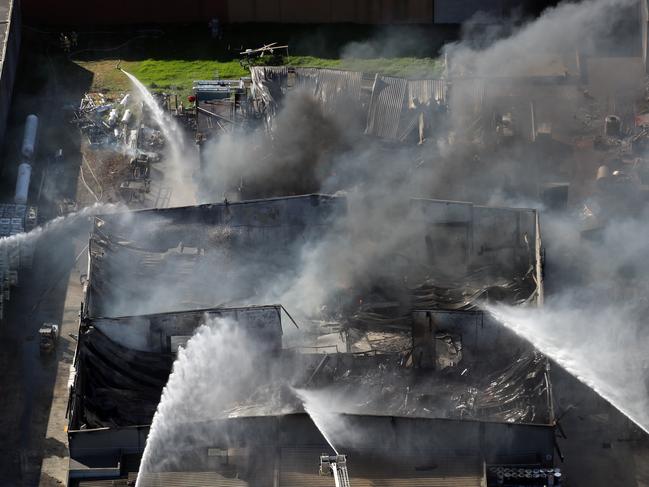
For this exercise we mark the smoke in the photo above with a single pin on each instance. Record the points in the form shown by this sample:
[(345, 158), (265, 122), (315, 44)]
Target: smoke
[(372, 252), (293, 160), (394, 41), (312, 149), (561, 30)]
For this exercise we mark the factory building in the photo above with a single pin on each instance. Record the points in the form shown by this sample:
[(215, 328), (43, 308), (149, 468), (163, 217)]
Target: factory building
[(435, 367)]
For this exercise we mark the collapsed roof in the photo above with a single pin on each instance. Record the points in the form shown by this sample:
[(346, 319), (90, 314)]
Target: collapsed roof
[(229, 254), (477, 370), (417, 349)]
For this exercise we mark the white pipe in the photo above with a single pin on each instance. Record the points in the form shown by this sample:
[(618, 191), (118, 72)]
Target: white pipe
[(29, 138), (22, 183)]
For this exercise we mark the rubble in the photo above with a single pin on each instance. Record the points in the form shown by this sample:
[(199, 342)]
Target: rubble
[(121, 145)]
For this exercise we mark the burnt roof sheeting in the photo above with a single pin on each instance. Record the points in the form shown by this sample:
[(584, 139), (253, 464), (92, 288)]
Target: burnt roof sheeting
[(499, 259), (332, 88), (386, 106), (496, 377), (478, 388), (120, 386), (124, 363)]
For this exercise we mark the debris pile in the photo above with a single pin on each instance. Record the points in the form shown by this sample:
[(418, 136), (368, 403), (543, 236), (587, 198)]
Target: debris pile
[(122, 141)]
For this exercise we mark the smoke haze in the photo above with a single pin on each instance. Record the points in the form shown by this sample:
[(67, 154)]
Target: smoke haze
[(594, 323)]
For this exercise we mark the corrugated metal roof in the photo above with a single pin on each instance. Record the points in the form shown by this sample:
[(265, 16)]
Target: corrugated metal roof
[(425, 92), (330, 86), (422, 96), (386, 105)]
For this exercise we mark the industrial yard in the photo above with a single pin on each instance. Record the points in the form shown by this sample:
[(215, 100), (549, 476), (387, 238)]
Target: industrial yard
[(242, 246)]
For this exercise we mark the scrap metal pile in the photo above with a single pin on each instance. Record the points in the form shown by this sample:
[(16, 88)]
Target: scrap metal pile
[(121, 135), (510, 389), (622, 178)]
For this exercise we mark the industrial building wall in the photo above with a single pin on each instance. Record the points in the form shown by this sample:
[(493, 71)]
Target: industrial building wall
[(236, 11), (84, 12), (10, 53), (332, 11)]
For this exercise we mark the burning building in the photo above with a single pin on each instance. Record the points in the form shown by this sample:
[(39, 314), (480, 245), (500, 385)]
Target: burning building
[(412, 381)]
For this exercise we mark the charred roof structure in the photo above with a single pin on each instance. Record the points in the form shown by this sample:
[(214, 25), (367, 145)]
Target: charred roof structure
[(131, 252), (445, 387)]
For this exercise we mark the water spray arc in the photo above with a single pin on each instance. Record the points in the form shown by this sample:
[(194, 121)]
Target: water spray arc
[(59, 223), (316, 414), (180, 157), (620, 386)]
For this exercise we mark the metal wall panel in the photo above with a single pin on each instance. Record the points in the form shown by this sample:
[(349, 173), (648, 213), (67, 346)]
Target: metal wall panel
[(342, 11), (83, 12), (301, 12), (298, 468), (268, 10), (386, 106), (459, 11), (332, 11), (426, 91), (285, 11), (331, 87), (242, 11)]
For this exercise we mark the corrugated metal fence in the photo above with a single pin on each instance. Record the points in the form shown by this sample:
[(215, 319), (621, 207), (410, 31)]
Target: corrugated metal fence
[(396, 105), (329, 86)]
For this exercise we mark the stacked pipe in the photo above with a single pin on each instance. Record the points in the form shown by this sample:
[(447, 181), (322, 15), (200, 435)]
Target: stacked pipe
[(27, 152)]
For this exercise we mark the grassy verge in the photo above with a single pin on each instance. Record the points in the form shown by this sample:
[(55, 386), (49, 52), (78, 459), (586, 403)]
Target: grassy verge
[(178, 75)]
